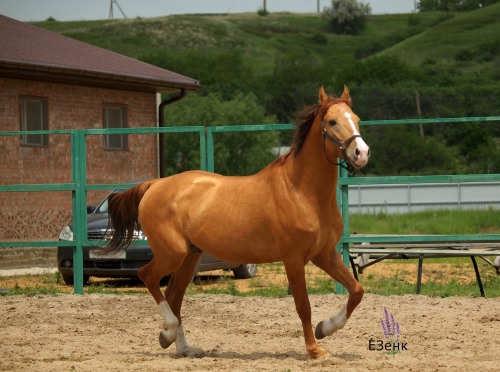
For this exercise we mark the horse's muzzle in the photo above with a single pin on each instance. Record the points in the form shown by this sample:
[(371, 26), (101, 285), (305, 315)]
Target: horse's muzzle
[(360, 153)]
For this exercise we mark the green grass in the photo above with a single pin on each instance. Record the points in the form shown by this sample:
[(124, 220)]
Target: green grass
[(442, 42), (427, 222), (394, 283), (439, 286)]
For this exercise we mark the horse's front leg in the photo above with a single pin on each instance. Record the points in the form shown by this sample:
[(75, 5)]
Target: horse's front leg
[(331, 262), (296, 278)]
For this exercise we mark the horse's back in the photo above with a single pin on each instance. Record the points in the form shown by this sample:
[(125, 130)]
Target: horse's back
[(225, 216)]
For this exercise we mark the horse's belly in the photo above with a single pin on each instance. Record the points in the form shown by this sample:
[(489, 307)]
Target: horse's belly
[(238, 247)]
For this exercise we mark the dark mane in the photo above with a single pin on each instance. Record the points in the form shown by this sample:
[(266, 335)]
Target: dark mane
[(303, 122)]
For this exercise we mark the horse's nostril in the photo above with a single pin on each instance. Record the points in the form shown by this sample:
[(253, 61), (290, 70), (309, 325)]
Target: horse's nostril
[(357, 152)]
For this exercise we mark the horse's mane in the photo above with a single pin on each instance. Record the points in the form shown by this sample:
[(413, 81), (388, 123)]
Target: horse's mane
[(303, 123)]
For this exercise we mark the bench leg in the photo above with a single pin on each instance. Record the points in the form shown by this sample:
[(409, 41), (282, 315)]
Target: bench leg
[(353, 268), (478, 276), (419, 275)]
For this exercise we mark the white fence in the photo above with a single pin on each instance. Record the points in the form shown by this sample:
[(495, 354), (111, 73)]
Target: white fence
[(403, 198)]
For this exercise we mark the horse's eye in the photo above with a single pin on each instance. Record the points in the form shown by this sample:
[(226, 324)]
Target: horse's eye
[(332, 122)]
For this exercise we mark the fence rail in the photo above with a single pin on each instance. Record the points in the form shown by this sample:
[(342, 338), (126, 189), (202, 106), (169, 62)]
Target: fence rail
[(79, 186)]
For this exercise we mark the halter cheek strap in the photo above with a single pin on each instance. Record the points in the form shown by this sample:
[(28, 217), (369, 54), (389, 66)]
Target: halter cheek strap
[(341, 145)]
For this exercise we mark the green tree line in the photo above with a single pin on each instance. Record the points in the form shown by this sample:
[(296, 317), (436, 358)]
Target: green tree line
[(383, 86)]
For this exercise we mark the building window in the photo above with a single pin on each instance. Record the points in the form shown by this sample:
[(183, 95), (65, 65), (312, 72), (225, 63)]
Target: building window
[(115, 116), (33, 113)]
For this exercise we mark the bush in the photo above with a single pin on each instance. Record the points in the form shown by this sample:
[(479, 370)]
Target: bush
[(347, 16)]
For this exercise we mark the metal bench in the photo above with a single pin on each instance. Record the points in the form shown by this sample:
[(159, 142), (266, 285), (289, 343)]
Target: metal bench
[(365, 254)]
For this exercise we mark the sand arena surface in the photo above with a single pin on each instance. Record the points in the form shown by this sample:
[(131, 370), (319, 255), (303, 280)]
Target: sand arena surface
[(120, 333)]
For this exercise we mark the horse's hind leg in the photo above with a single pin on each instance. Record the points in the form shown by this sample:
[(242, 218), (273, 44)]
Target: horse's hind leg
[(160, 266), (331, 262), (174, 294)]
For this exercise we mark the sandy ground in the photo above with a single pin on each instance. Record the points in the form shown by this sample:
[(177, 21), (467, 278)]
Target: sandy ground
[(120, 333)]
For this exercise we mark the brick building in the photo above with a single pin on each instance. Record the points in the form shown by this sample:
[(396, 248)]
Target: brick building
[(48, 82)]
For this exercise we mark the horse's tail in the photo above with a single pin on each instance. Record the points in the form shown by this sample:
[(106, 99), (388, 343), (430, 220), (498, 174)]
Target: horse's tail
[(123, 216)]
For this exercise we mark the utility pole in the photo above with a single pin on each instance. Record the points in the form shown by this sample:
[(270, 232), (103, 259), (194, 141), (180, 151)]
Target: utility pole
[(419, 113), (111, 2)]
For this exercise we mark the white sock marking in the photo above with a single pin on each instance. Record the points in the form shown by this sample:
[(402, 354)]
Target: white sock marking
[(181, 344), (336, 322), (170, 321)]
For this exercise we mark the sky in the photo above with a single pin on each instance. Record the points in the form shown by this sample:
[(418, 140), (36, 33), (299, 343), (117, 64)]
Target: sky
[(69, 10)]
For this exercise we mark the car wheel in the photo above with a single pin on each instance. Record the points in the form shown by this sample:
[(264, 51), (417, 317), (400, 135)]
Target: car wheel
[(68, 279), (245, 271)]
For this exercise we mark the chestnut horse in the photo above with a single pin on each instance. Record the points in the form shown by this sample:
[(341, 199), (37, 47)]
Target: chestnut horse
[(287, 212)]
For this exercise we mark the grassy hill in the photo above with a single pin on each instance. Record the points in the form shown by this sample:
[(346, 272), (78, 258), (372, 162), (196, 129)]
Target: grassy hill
[(466, 32), (468, 43), (415, 38)]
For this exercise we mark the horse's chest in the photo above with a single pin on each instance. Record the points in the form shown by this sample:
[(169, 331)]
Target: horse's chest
[(315, 230)]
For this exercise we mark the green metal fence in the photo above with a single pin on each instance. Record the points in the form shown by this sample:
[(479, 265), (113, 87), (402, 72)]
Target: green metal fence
[(79, 187), (345, 181)]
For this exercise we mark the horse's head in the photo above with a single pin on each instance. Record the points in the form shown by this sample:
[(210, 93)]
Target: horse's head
[(340, 126)]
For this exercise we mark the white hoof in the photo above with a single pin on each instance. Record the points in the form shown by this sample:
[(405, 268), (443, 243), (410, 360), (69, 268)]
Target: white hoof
[(191, 352)]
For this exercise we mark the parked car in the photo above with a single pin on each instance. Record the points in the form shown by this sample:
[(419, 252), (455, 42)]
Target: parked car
[(126, 263)]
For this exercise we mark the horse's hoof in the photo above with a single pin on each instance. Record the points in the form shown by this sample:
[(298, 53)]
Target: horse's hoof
[(164, 343), (323, 354), (319, 331), (318, 352), (191, 352)]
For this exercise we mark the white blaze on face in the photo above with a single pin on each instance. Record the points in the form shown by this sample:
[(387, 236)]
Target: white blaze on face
[(362, 147), (348, 116)]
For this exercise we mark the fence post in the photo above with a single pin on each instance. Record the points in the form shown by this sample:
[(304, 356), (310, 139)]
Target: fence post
[(210, 149), (203, 149), (343, 201), (79, 200)]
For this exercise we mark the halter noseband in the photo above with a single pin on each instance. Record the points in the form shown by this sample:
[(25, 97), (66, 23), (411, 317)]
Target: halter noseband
[(341, 145)]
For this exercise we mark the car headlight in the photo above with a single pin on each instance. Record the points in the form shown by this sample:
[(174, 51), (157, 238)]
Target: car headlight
[(66, 234), (140, 235)]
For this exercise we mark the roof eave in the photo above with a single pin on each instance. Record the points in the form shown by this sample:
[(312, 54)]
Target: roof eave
[(34, 71)]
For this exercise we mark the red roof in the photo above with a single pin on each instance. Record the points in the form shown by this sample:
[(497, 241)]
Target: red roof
[(33, 52)]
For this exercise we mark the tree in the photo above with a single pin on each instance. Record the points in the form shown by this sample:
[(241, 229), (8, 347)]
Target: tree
[(347, 16), (236, 153), (293, 84)]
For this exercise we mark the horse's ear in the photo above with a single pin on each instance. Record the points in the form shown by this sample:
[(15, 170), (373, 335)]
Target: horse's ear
[(346, 97), (323, 97)]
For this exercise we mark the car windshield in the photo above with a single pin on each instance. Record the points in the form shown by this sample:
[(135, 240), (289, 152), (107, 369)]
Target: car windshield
[(103, 206)]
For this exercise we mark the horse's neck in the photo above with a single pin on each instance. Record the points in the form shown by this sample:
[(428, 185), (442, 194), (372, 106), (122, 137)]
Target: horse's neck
[(311, 172)]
